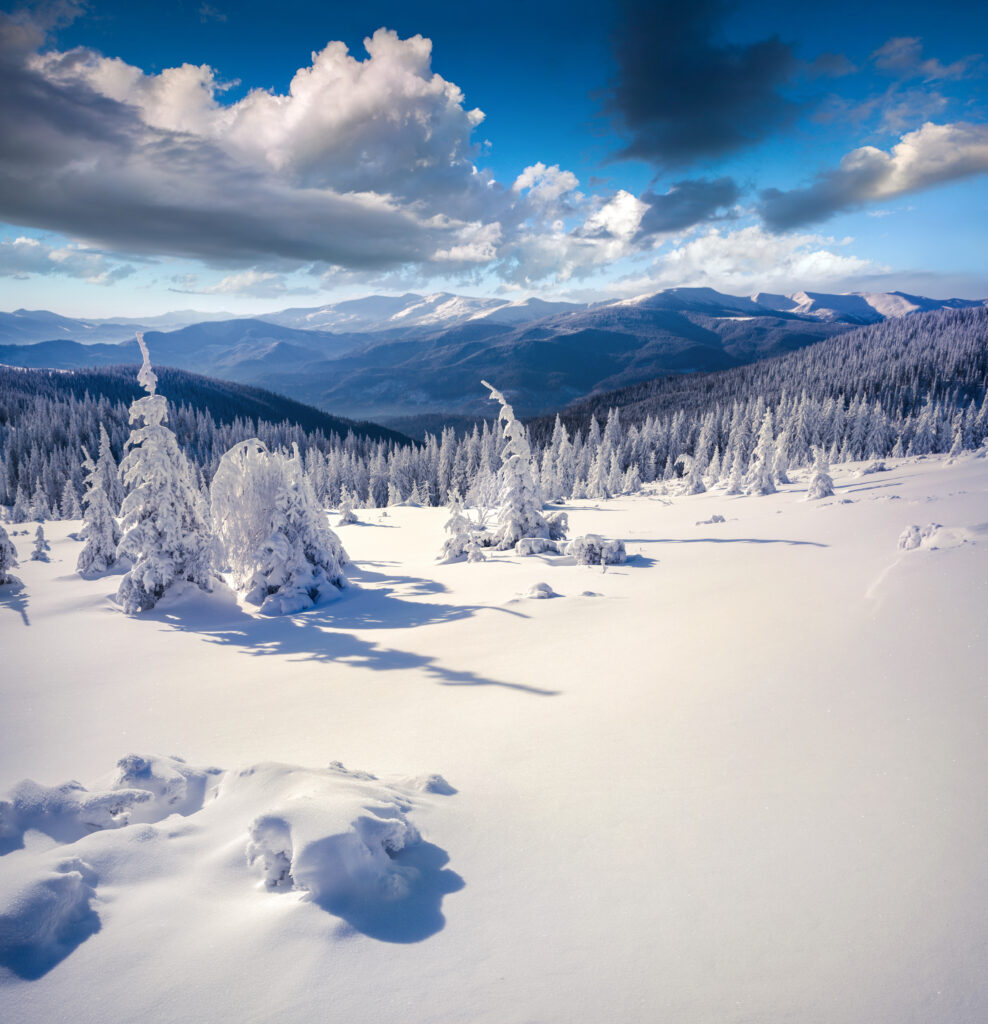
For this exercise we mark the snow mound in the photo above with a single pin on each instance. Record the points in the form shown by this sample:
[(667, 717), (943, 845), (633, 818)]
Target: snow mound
[(540, 591), (711, 521), (934, 537), (331, 834), (878, 466), (142, 790), (44, 919), (336, 837)]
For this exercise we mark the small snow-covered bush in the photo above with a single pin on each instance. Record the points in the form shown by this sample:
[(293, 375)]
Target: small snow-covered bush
[(540, 591), (873, 467), (536, 546), (347, 515), (592, 549), (821, 483)]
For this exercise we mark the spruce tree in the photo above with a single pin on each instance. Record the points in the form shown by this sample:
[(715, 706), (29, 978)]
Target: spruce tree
[(100, 530), (166, 533), (520, 513)]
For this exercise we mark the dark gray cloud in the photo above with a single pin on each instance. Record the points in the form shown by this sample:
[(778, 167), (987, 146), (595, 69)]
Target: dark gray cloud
[(684, 97), (929, 156), (687, 203)]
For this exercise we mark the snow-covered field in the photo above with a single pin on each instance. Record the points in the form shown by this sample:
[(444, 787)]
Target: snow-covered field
[(743, 778)]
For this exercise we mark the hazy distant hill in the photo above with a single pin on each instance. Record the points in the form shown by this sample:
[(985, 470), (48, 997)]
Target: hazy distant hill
[(417, 361), (937, 356)]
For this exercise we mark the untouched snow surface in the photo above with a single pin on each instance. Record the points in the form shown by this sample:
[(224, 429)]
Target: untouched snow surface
[(742, 777)]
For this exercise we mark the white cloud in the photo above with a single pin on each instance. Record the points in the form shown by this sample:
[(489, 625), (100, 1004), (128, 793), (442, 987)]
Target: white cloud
[(931, 155), (23, 257), (750, 259)]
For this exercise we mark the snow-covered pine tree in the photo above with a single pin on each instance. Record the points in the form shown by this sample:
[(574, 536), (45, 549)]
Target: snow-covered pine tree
[(462, 534), (276, 542), (71, 509), (39, 510), (8, 557), (759, 479), (347, 515), (108, 471), (821, 483), (520, 513), (692, 474), (166, 532), (41, 546), (100, 530), (21, 508)]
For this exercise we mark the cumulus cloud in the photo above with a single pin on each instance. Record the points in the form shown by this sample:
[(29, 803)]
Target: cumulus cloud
[(750, 259), (26, 257), (929, 156), (362, 165), (682, 96)]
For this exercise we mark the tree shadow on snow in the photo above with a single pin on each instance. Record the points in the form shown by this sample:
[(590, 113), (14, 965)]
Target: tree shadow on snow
[(414, 917), (317, 634), (14, 596), (726, 540)]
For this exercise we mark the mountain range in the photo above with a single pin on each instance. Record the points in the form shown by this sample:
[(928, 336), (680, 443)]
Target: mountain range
[(415, 362)]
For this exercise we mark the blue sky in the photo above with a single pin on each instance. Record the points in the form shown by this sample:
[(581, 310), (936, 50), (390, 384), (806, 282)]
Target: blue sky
[(244, 157)]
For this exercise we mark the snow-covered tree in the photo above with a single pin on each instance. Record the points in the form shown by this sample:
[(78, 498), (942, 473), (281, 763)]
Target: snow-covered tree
[(821, 483), (41, 546), (21, 508), (347, 514), (8, 557), (519, 514), (759, 479), (166, 532), (275, 539), (108, 471), (100, 530), (71, 509), (462, 534)]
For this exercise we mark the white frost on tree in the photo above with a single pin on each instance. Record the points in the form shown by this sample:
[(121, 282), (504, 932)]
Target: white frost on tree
[(275, 538), (166, 531), (519, 514), (8, 557), (100, 530), (821, 482)]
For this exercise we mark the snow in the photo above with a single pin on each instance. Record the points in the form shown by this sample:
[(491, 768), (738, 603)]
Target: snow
[(745, 782)]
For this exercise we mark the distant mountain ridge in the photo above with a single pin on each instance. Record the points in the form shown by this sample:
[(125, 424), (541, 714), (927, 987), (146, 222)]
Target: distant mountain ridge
[(415, 362)]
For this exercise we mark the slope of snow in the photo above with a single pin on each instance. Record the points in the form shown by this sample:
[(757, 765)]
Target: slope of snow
[(740, 778), (525, 310)]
